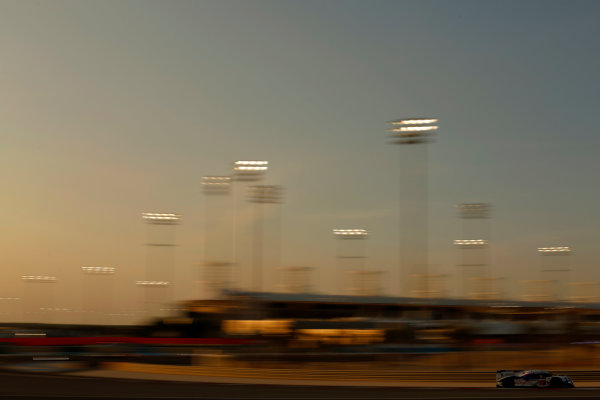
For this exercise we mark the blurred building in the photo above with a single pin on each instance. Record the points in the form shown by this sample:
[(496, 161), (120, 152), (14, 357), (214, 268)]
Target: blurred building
[(300, 319)]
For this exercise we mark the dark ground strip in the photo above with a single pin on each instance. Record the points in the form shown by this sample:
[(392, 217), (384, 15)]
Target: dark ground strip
[(35, 386)]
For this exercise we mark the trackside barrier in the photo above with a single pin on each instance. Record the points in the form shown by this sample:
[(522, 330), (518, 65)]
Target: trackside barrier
[(335, 375)]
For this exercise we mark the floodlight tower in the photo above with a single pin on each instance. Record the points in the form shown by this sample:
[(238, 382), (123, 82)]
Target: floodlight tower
[(415, 133), (97, 293), (473, 249), (9, 308), (555, 268), (296, 279), (244, 172), (216, 189), (350, 257), (261, 195), (367, 283), (154, 297), (39, 297), (160, 253), (537, 290)]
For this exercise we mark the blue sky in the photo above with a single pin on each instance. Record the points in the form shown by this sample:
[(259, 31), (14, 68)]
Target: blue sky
[(112, 108)]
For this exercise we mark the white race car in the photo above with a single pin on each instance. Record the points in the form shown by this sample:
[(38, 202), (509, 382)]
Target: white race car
[(531, 378)]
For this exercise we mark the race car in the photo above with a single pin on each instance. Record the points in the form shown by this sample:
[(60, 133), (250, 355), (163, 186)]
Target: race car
[(531, 378)]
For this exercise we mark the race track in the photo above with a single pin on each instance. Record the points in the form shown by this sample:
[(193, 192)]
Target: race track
[(37, 386)]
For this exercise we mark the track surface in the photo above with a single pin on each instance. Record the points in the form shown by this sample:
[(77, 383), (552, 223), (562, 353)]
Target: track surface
[(34, 386)]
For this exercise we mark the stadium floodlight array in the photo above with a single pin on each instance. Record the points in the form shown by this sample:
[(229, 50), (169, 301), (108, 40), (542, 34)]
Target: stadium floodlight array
[(554, 250), (470, 242), (152, 283), (250, 165), (417, 121), (413, 130), (216, 181), (265, 194), (473, 210), (249, 170), (161, 218), (216, 184), (98, 270), (350, 233), (39, 278)]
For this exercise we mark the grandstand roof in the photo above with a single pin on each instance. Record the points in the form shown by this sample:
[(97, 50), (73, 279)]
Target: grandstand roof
[(390, 300)]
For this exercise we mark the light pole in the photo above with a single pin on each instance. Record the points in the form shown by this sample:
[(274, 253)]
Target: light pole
[(554, 264), (536, 290), (160, 253), (243, 172), (260, 195), (215, 188), (474, 249), (34, 298), (296, 279), (9, 308), (350, 255), (97, 292), (367, 283), (472, 261), (413, 204), (153, 294)]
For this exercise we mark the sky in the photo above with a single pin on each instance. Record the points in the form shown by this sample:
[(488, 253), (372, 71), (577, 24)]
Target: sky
[(113, 108)]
